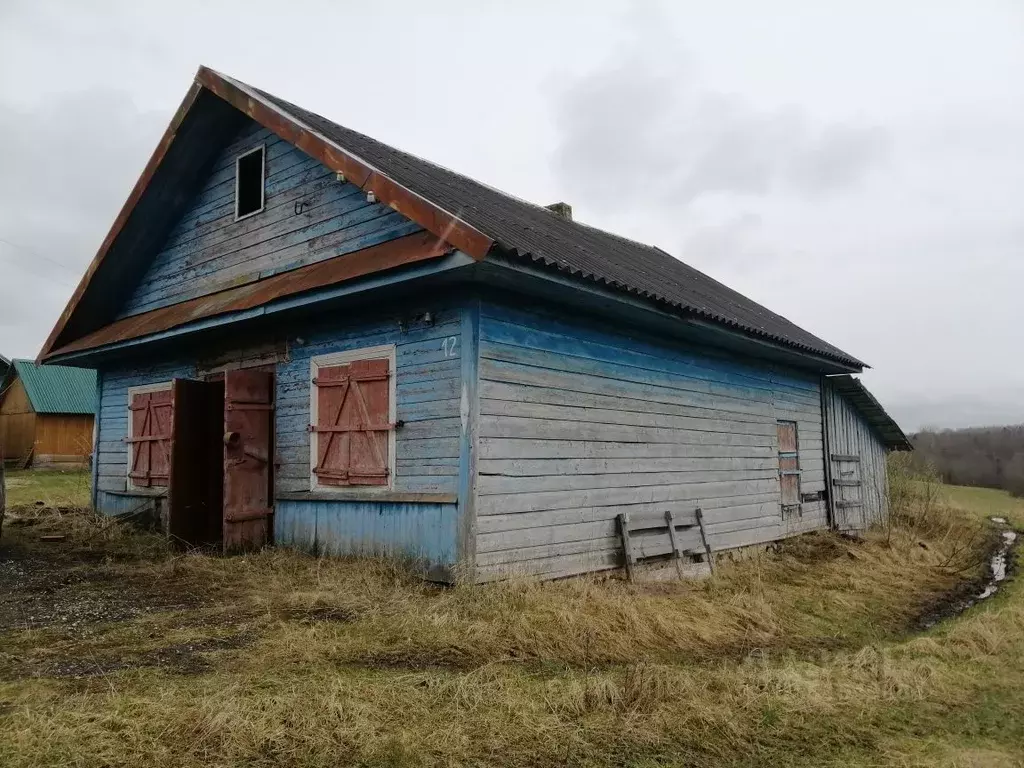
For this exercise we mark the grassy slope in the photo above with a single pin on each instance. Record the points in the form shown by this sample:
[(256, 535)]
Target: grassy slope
[(799, 659)]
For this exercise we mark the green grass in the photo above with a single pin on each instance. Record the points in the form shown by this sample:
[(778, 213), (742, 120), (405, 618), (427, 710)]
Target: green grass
[(986, 501), (802, 658), (52, 488)]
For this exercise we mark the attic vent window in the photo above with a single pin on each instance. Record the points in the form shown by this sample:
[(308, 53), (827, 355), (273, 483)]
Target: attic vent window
[(249, 175)]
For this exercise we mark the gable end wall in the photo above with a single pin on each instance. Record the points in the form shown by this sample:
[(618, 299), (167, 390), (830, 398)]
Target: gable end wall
[(308, 217)]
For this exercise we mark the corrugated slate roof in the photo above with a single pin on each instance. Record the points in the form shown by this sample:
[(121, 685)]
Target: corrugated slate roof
[(58, 388), (534, 233), (872, 411)]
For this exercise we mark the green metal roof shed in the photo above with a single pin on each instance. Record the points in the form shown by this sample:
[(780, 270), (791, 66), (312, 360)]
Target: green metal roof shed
[(56, 388)]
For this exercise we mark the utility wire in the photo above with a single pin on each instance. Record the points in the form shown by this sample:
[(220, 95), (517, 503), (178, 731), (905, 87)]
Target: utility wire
[(39, 255), (29, 251)]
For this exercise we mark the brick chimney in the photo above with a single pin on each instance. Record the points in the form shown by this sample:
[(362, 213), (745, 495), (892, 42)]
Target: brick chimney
[(561, 209)]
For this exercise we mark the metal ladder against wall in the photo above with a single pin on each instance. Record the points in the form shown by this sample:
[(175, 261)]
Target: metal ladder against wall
[(649, 538), (848, 490)]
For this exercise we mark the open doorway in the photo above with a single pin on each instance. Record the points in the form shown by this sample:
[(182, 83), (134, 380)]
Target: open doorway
[(220, 486)]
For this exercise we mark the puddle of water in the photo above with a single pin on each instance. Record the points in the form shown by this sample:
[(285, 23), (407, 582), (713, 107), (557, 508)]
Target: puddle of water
[(997, 564)]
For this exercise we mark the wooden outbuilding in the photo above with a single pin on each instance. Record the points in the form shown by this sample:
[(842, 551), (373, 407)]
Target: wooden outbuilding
[(46, 415), (309, 338)]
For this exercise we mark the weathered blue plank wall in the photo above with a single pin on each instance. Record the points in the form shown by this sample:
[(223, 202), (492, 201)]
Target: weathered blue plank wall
[(309, 217), (578, 424), (850, 435), (429, 377)]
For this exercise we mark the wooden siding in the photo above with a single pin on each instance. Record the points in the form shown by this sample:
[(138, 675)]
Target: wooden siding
[(309, 216), (428, 396), (850, 435), (64, 435), (55, 439), (17, 422), (578, 424)]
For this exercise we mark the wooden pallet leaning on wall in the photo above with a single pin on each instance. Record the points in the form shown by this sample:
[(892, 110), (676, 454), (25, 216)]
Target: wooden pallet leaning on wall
[(650, 538)]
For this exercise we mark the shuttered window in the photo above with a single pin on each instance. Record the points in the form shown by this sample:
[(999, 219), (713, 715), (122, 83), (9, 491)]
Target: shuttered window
[(149, 437), (353, 410), (789, 466)]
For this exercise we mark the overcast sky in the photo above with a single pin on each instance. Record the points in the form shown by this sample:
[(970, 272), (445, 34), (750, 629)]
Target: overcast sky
[(857, 167)]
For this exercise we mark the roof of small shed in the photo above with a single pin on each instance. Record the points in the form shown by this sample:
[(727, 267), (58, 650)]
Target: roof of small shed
[(57, 388), (872, 411)]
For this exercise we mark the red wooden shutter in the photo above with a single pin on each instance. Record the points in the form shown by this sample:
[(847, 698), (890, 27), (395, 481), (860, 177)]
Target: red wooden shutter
[(789, 464), (353, 408), (150, 441)]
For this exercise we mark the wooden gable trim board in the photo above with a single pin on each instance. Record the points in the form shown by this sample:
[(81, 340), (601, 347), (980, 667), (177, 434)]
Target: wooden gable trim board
[(430, 216), (394, 253)]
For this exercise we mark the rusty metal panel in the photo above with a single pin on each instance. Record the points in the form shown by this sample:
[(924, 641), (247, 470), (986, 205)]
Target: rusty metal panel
[(405, 250), (248, 445)]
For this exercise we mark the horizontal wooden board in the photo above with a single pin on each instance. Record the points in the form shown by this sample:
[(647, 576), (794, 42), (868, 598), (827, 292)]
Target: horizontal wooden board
[(489, 485), (622, 417), (540, 467), (521, 448)]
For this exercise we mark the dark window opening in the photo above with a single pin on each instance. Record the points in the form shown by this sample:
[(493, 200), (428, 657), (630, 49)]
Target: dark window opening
[(249, 183)]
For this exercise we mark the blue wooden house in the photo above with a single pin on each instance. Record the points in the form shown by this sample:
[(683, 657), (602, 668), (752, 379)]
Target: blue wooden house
[(309, 338)]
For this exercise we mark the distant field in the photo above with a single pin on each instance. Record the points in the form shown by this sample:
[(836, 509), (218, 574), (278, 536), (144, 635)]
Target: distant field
[(988, 501), (54, 489)]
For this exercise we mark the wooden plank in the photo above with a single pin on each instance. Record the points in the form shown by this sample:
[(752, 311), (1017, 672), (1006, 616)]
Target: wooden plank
[(553, 567), (673, 536), (627, 547), (529, 467), (550, 429), (734, 509), (547, 331), (663, 388), (621, 417), (534, 448), (375, 496), (533, 502), (845, 457), (642, 401), (339, 269), (704, 538), (490, 485)]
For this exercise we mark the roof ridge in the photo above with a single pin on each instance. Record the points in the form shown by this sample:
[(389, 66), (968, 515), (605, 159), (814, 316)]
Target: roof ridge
[(461, 175)]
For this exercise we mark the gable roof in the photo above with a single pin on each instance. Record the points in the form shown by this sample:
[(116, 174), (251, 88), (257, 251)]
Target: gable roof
[(56, 388), (874, 414), (480, 220)]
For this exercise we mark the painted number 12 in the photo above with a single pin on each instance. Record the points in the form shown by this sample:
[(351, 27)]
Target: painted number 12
[(449, 345)]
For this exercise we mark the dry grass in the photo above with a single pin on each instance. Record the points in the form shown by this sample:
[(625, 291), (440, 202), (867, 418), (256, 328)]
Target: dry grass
[(798, 658)]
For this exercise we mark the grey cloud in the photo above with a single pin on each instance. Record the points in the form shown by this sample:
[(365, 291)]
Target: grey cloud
[(643, 128), (68, 167), (736, 241)]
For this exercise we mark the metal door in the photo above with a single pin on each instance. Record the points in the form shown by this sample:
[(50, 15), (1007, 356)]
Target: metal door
[(248, 439), (847, 490)]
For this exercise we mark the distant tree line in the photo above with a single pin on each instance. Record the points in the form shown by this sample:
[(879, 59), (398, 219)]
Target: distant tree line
[(987, 456)]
